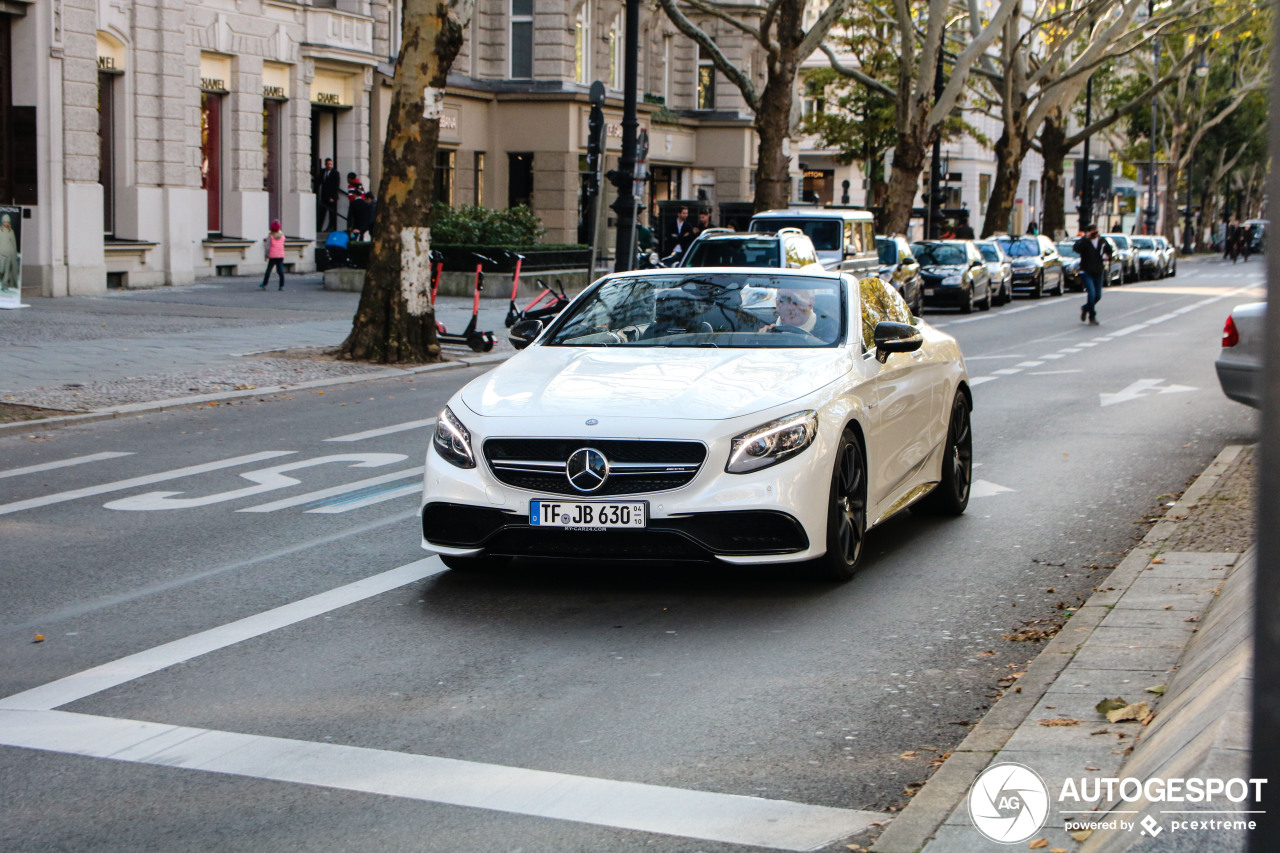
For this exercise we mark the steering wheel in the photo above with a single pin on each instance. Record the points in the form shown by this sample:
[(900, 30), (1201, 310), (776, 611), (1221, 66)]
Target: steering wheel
[(792, 330)]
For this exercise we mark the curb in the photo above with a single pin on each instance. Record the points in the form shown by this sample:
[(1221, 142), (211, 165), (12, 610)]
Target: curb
[(23, 427), (916, 825)]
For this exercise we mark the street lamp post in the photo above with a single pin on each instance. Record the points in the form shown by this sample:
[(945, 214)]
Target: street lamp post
[(1086, 191), (624, 176)]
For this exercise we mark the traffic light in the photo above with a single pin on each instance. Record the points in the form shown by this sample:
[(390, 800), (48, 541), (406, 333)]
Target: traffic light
[(595, 128)]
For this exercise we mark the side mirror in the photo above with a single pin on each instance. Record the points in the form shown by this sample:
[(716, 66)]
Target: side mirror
[(525, 332), (893, 337)]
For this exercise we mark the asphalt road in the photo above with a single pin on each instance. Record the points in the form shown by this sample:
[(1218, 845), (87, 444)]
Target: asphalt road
[(238, 661)]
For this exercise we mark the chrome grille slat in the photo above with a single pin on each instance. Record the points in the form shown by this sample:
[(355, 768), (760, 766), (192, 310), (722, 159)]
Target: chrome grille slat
[(636, 466)]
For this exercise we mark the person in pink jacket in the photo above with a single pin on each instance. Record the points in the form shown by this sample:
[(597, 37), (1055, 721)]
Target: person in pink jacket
[(275, 254)]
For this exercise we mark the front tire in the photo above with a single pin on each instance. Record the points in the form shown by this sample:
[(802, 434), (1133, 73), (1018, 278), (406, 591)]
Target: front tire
[(951, 497), (846, 511), (966, 306), (1037, 289)]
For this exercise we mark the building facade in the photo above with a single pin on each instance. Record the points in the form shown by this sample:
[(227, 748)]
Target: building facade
[(153, 142)]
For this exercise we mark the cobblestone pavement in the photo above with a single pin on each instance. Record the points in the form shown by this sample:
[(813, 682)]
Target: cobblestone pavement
[(85, 354)]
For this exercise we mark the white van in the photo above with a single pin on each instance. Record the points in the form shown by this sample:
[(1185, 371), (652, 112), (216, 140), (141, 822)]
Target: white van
[(845, 239)]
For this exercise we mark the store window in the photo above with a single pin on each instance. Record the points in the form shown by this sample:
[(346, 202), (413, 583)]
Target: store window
[(519, 179), (271, 184), (211, 156), (107, 150), (615, 53), (706, 80), (479, 179), (521, 39), (446, 163)]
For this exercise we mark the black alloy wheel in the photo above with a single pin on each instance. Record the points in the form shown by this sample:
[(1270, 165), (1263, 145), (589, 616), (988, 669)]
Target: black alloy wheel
[(1037, 285), (986, 300), (966, 302), (484, 563), (951, 496), (846, 511)]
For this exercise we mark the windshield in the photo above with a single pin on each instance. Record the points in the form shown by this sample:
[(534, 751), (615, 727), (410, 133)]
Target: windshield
[(888, 251), (1121, 241), (989, 252), (1020, 248), (1067, 250), (756, 310), (825, 233), (939, 254), (1143, 243), (758, 252)]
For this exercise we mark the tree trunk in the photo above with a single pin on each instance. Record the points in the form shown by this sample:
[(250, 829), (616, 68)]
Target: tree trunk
[(1053, 148), (1009, 153), (395, 321), (773, 125), (904, 177)]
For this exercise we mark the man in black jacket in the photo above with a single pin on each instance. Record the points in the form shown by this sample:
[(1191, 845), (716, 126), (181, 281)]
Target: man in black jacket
[(327, 189), (1095, 258)]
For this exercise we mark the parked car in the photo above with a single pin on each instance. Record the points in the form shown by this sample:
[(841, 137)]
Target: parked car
[(845, 239), (1240, 363), (899, 267), (954, 274), (1128, 260), (1258, 227), (1150, 257), (655, 418), (789, 248), (1070, 265), (1037, 266), (1170, 254), (1000, 268)]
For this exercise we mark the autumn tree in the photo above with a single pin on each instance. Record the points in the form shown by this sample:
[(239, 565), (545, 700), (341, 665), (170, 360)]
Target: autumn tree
[(395, 321), (778, 31), (922, 31)]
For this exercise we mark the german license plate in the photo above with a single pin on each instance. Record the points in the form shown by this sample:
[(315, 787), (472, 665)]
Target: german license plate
[(588, 516), (928, 291)]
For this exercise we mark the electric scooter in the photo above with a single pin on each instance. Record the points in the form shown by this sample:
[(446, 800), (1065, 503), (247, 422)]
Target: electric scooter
[(470, 337), (554, 305)]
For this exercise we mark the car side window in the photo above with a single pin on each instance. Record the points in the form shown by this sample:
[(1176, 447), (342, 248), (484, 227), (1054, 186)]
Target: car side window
[(879, 302), (790, 248)]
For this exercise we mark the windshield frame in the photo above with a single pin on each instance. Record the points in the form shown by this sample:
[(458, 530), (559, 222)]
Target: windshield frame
[(764, 285)]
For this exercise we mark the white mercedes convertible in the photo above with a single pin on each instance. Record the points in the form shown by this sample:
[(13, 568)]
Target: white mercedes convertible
[(749, 416)]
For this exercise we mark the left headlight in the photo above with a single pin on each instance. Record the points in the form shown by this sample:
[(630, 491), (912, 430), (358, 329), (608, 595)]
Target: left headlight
[(771, 443), (453, 440)]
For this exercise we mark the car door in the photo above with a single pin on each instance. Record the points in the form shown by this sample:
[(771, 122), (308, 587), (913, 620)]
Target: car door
[(907, 408), (1052, 262)]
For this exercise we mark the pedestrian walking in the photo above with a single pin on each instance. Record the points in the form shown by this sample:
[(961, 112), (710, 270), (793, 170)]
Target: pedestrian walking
[(275, 254), (1095, 259), (327, 188), (357, 208), (682, 236)]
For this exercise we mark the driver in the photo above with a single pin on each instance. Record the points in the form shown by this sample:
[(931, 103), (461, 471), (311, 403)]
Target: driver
[(795, 309)]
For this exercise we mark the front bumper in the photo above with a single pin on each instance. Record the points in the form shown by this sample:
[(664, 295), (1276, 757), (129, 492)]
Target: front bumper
[(936, 293)]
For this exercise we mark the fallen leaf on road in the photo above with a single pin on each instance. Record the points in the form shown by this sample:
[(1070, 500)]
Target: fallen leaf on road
[(1106, 706), (1060, 721), (1090, 767), (1137, 711), (39, 638), (1080, 834), (1192, 619), (1039, 844), (1158, 690), (1157, 561), (1168, 607), (988, 653), (910, 753)]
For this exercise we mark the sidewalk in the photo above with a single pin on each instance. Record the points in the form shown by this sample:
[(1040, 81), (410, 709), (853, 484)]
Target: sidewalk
[(1172, 628), (220, 337)]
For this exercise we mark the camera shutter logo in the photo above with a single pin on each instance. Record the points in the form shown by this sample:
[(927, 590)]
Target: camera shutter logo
[(1008, 803)]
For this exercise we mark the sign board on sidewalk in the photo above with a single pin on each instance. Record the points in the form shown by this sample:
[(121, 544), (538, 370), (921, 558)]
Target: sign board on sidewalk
[(11, 257)]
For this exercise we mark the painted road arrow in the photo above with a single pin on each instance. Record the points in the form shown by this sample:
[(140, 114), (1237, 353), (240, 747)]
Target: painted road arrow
[(1140, 389)]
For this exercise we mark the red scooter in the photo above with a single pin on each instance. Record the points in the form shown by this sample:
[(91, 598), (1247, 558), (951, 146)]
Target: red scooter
[(556, 300), (470, 337)]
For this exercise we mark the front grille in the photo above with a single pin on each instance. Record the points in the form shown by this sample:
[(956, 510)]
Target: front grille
[(636, 466)]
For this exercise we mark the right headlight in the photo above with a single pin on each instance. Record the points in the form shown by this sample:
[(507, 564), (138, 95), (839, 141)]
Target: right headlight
[(453, 440), (771, 443)]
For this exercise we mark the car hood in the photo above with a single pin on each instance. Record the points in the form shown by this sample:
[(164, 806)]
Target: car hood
[(644, 382)]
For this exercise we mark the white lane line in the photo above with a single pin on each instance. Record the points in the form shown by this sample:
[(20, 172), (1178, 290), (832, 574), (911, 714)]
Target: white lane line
[(978, 380), (387, 430), (1129, 330), (1025, 364), (64, 463), (992, 357), (1050, 356), (370, 500), (1087, 344), (121, 485), (728, 818), (1054, 372), (319, 494), (1007, 371), (1068, 350), (126, 669)]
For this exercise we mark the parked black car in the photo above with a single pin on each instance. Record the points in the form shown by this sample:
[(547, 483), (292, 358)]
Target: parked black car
[(1071, 266), (899, 267), (954, 274), (1037, 266)]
